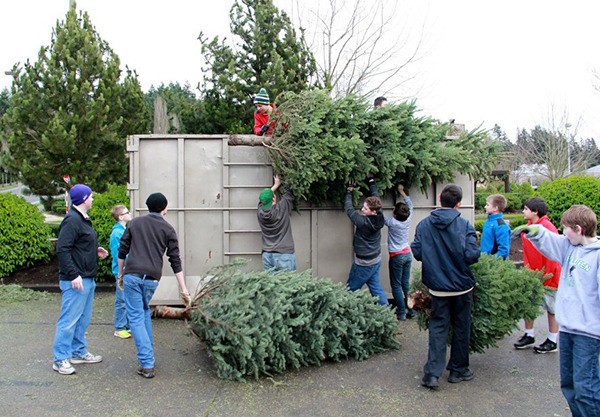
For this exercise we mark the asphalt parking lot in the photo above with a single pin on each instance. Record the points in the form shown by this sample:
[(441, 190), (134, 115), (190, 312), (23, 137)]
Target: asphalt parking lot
[(507, 382)]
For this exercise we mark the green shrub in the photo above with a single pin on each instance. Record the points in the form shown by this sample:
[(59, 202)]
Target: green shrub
[(23, 234), (258, 323), (562, 193), (103, 223), (480, 200), (58, 207), (479, 225), (517, 222), (503, 296)]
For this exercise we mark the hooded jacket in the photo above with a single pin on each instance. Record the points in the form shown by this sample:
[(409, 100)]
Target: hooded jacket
[(367, 235), (533, 259), (577, 306), (446, 244), (275, 225)]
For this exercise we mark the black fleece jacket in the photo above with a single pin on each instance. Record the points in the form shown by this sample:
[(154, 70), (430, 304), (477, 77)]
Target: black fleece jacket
[(77, 247)]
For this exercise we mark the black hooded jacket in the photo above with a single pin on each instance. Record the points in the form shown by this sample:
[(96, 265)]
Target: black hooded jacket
[(367, 236), (446, 244)]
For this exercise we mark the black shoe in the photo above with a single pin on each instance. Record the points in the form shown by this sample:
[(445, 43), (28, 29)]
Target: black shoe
[(411, 314), (430, 382), (546, 347), (524, 342), (146, 372), (455, 377)]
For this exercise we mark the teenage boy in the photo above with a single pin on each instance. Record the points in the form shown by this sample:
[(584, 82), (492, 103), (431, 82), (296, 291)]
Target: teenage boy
[(144, 243), (368, 222), (534, 211), (495, 237), (446, 244), (78, 253), (577, 304)]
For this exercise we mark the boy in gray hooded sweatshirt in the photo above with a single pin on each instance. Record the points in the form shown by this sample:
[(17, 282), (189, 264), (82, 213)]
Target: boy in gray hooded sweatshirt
[(577, 304)]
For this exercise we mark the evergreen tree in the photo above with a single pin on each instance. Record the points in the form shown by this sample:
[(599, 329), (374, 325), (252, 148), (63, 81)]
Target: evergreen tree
[(4, 101), (186, 112), (268, 53), (70, 113)]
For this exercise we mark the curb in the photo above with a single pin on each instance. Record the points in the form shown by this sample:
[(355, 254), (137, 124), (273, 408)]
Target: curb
[(54, 288)]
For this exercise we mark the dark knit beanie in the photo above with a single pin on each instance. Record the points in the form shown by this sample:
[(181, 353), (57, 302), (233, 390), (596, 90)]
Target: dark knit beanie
[(156, 202), (79, 193), (262, 97)]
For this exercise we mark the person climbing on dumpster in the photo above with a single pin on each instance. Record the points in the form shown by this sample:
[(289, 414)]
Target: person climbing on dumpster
[(276, 229), (262, 113), (368, 222)]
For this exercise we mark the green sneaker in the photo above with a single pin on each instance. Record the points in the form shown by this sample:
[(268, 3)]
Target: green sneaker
[(122, 334)]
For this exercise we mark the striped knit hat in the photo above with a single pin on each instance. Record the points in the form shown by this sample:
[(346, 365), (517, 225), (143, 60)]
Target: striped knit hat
[(262, 97)]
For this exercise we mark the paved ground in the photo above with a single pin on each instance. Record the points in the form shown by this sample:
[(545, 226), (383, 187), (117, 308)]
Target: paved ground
[(507, 382)]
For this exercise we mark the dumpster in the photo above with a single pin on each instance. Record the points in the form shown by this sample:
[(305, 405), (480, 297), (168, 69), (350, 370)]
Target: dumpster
[(212, 186)]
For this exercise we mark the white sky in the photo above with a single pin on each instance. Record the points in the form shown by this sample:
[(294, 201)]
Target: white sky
[(506, 62)]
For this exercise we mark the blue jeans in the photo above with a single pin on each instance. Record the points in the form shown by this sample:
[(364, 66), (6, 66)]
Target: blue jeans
[(274, 261), (120, 316), (361, 275), (75, 317), (579, 375), (138, 293), (446, 311), (399, 277)]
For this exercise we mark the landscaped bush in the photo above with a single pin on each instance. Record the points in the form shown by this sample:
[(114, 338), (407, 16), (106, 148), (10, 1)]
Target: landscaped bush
[(562, 193), (258, 323), (103, 223), (503, 296), (23, 234)]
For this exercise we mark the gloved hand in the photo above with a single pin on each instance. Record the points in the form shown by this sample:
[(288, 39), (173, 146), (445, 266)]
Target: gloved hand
[(186, 298), (530, 231), (263, 130), (120, 282)]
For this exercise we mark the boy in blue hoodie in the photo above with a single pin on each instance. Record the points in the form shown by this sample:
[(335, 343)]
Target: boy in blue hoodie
[(122, 216), (577, 304), (495, 237), (446, 244)]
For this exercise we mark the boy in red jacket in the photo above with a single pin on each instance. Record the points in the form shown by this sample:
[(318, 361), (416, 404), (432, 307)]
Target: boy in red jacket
[(534, 211), (263, 110)]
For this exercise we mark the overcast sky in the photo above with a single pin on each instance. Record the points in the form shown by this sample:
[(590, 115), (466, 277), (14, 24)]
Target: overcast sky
[(514, 63)]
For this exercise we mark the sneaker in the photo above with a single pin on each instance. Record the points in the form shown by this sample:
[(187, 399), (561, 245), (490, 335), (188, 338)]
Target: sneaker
[(430, 382), (63, 367), (87, 358), (146, 372), (524, 342), (455, 377), (122, 334), (546, 347)]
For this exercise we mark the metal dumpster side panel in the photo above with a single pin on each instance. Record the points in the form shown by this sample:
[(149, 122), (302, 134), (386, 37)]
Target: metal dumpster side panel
[(213, 190)]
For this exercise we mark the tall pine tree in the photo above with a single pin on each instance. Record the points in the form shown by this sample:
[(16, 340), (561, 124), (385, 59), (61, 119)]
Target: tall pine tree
[(70, 111), (268, 53)]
